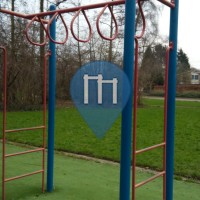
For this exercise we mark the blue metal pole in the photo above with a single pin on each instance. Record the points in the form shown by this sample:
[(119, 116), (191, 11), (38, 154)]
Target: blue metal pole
[(126, 132), (171, 101), (51, 106)]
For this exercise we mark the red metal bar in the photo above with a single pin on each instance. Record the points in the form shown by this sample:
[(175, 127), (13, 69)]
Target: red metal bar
[(87, 7), (165, 115), (163, 144), (150, 179), (114, 19), (24, 175), (17, 14), (44, 117), (89, 25), (4, 118), (24, 129), (135, 102), (4, 156), (24, 152), (66, 10), (151, 148), (168, 3)]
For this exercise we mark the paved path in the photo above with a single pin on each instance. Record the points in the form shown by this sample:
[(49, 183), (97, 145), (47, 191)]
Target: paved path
[(177, 99)]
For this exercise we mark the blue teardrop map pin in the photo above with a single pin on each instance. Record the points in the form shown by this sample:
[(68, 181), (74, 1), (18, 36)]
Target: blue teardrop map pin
[(100, 91)]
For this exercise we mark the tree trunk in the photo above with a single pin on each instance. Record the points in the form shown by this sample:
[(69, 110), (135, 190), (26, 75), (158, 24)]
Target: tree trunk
[(12, 30), (79, 48), (42, 49), (11, 94), (111, 42)]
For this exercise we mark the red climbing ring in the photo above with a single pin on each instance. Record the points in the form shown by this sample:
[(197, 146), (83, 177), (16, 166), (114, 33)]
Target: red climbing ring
[(27, 30), (143, 20), (115, 21), (65, 26), (89, 25)]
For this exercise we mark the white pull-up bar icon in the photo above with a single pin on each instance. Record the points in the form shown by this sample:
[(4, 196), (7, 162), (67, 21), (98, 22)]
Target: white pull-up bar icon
[(100, 82)]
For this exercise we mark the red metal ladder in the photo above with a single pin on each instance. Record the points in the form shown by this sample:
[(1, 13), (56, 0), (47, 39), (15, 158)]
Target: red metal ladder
[(163, 143), (5, 131)]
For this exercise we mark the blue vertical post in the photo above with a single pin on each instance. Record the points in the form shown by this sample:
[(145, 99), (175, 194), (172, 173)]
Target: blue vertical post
[(51, 106), (171, 101), (126, 132)]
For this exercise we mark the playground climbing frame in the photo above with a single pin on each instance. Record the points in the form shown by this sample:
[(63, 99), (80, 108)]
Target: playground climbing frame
[(130, 52)]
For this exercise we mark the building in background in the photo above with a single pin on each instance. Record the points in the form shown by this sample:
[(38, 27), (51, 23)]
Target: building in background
[(195, 76)]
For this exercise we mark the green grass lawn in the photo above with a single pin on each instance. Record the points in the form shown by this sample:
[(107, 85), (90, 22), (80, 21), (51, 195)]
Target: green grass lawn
[(73, 135), (77, 179)]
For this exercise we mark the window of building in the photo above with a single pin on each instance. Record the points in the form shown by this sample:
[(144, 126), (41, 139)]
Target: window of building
[(195, 77)]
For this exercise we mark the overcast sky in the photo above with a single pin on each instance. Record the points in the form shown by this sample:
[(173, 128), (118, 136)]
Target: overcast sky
[(189, 29)]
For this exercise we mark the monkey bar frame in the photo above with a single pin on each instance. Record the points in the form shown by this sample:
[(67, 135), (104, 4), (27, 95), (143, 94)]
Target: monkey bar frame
[(49, 27), (74, 9)]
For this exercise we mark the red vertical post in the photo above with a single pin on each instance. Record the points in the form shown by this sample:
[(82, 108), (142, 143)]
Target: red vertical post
[(44, 117), (4, 119), (135, 102), (165, 117)]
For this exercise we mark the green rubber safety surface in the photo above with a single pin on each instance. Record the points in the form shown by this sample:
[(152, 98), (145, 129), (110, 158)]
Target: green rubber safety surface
[(78, 179)]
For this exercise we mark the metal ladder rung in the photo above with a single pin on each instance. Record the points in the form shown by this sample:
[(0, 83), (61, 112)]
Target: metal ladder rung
[(150, 148), (24, 152), (24, 129), (150, 179), (24, 175)]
